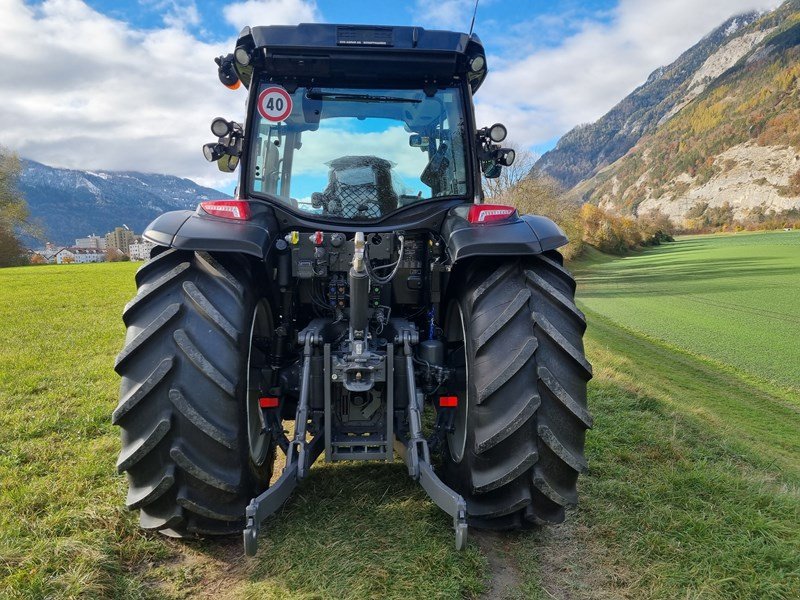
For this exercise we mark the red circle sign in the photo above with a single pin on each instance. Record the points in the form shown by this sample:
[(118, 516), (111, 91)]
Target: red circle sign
[(274, 104)]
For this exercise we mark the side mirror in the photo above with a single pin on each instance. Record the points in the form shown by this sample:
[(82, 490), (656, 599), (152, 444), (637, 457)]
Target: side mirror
[(492, 165), (228, 148), (418, 141)]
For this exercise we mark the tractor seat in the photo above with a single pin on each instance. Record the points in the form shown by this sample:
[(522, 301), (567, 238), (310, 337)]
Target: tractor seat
[(359, 187)]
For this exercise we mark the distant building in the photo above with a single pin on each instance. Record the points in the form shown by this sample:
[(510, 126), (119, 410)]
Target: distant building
[(95, 242), (121, 239), (65, 256), (48, 253), (79, 256), (141, 250)]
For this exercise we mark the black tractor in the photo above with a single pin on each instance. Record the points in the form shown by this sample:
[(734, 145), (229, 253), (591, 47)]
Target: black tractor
[(357, 299)]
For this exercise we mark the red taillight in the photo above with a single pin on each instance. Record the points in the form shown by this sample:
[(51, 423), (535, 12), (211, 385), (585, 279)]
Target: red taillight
[(227, 209), (268, 402), (490, 213), (448, 401)]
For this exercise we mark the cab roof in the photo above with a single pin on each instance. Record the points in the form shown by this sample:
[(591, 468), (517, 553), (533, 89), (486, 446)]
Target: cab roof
[(366, 54)]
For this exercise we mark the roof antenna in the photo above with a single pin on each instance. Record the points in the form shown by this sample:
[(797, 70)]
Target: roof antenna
[(474, 13)]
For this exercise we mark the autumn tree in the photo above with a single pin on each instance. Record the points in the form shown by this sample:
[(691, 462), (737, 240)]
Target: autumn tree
[(13, 212), (542, 195)]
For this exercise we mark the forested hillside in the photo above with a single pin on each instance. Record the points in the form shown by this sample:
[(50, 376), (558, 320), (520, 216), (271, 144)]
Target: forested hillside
[(728, 147)]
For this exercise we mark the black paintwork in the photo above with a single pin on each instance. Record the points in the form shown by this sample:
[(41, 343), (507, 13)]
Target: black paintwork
[(352, 53), (521, 236), (525, 235), (196, 230)]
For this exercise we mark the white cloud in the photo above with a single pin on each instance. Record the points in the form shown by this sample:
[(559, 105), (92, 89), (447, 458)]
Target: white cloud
[(80, 89), (271, 12), (549, 91), (83, 90), (180, 15)]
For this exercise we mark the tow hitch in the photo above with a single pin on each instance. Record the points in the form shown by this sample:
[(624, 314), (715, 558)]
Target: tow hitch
[(413, 447)]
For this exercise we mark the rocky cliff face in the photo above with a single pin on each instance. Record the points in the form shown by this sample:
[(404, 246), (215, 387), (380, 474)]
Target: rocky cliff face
[(71, 204), (728, 133), (588, 148)]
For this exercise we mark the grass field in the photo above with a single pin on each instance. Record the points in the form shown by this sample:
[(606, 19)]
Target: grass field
[(731, 298), (693, 492)]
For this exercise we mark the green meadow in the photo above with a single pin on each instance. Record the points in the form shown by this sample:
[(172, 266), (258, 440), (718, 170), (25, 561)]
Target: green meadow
[(693, 489), (730, 298)]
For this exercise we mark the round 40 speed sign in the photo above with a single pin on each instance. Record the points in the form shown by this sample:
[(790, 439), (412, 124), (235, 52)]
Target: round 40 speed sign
[(274, 104)]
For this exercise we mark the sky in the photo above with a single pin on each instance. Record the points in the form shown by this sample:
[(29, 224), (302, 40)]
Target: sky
[(131, 85)]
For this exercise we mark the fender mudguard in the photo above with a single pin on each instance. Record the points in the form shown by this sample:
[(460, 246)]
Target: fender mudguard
[(525, 235), (191, 230)]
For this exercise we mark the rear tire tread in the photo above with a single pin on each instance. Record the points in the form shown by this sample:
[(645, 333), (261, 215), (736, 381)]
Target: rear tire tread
[(507, 371), (516, 305), (489, 436), (192, 352), (141, 298), (210, 429), (554, 387), (184, 435), (136, 452), (527, 422), (139, 496), (141, 390), (168, 314), (209, 310), (181, 458)]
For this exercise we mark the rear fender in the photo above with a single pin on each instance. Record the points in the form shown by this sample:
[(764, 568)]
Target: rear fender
[(523, 236), (194, 230)]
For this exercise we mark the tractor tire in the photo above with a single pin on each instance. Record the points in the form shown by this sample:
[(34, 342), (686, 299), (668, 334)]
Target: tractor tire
[(187, 441), (518, 443)]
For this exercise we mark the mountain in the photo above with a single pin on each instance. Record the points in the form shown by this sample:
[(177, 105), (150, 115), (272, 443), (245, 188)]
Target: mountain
[(720, 125), (71, 204), (588, 148)]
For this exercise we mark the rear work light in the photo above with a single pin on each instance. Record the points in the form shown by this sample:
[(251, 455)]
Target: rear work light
[(490, 213), (227, 209)]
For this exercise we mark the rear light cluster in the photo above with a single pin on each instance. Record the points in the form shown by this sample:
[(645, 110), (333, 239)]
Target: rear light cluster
[(269, 402), (238, 210), (490, 213), (448, 401)]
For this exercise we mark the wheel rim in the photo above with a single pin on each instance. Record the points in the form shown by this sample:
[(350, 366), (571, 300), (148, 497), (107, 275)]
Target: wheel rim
[(257, 360), (457, 441)]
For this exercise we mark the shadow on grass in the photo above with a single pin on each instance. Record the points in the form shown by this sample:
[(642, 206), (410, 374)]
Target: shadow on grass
[(680, 280), (692, 488), (355, 531)]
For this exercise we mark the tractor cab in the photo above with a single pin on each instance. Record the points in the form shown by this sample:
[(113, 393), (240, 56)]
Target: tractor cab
[(354, 123)]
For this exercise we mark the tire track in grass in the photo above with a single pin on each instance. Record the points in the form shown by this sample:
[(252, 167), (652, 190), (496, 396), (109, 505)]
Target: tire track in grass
[(753, 414), (691, 469)]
